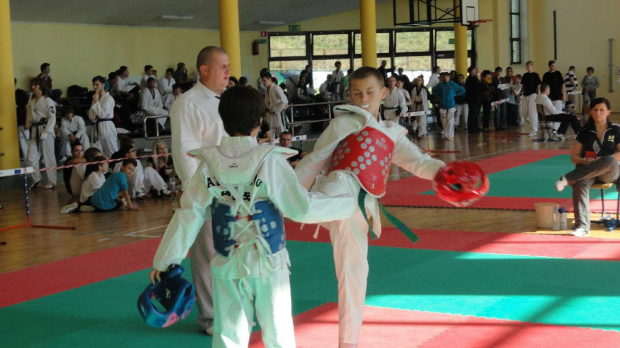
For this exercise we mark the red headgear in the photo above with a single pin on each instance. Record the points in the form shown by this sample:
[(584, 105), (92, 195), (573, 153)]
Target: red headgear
[(461, 183)]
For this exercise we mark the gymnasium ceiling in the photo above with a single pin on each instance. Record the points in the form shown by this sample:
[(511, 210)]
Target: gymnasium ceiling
[(148, 13)]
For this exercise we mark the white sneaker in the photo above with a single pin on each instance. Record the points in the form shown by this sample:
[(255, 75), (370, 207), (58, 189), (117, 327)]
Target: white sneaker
[(124, 201), (561, 184), (560, 136), (70, 208), (580, 232), (166, 192), (87, 209), (532, 134), (209, 331), (63, 159), (49, 186), (441, 132), (141, 195)]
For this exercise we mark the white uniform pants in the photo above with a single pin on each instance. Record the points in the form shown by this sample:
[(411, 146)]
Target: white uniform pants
[(107, 145), (65, 145), (447, 120), (529, 110), (461, 109), (350, 247), (558, 104), (200, 254), (272, 303), (275, 124), (33, 158), (152, 180), (24, 135)]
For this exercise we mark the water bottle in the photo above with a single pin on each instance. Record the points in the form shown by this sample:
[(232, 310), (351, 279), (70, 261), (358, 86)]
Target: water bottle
[(173, 194), (556, 220), (563, 219)]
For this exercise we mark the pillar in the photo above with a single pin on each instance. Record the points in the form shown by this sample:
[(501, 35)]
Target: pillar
[(368, 28), (229, 34), (9, 143), (460, 47)]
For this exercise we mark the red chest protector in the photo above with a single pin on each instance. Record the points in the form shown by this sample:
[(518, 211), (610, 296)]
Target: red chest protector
[(368, 155)]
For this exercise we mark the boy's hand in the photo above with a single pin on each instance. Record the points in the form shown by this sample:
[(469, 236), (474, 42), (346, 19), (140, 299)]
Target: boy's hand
[(134, 208), (155, 276)]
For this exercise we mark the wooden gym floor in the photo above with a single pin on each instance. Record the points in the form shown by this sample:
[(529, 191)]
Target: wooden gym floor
[(28, 246)]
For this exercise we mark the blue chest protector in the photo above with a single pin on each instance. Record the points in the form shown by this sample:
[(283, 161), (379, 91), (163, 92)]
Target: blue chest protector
[(257, 219)]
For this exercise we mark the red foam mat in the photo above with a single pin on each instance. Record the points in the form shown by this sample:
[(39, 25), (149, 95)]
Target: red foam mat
[(385, 327), (561, 246), (47, 279)]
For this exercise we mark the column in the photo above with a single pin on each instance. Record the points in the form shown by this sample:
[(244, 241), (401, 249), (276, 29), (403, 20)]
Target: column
[(9, 143), (368, 28), (460, 47), (229, 34)]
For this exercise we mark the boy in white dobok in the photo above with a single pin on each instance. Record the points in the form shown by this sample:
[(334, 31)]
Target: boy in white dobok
[(245, 188), (355, 153)]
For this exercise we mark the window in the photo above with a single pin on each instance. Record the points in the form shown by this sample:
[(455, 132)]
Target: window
[(330, 45), (287, 46), (515, 31)]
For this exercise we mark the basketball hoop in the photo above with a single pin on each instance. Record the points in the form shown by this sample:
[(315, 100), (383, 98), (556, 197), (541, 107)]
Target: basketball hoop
[(476, 23)]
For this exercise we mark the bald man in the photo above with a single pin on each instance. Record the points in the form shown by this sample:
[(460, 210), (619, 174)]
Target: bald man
[(196, 123)]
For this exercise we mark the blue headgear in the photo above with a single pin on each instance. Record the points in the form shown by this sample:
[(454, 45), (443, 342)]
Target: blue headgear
[(174, 293)]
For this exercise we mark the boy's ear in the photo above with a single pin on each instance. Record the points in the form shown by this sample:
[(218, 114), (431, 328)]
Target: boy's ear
[(384, 92)]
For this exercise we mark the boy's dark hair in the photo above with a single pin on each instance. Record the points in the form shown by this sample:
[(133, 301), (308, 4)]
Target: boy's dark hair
[(44, 66), (39, 82), (519, 76), (147, 68), (112, 75), (127, 161), (76, 143), (125, 149), (285, 133), (69, 110), (170, 70), (243, 80), (265, 74), (233, 79), (94, 166), (150, 79), (551, 62), (365, 72), (99, 78), (543, 86), (486, 73), (241, 110), (89, 153), (121, 70), (175, 86)]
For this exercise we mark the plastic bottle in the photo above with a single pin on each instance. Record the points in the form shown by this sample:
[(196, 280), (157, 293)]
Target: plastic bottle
[(563, 219), (556, 220), (173, 194)]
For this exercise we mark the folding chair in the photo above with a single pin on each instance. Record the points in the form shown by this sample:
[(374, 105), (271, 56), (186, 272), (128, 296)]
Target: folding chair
[(603, 186), (543, 124)]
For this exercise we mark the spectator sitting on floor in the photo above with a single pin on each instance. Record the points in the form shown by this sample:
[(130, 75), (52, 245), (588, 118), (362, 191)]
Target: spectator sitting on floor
[(73, 176), (163, 162), (142, 181), (324, 89), (106, 198), (554, 114)]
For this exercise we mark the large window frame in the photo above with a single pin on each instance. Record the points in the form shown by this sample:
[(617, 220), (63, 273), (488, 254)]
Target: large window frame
[(514, 16), (394, 51)]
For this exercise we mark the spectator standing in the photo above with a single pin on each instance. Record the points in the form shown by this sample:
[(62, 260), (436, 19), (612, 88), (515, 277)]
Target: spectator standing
[(531, 87), (473, 94), (101, 113)]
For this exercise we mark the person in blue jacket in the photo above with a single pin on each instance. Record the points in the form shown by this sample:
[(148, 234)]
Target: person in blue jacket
[(444, 93)]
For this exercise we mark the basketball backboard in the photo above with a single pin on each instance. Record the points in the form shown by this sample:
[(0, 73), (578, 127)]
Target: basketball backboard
[(469, 11), (429, 12)]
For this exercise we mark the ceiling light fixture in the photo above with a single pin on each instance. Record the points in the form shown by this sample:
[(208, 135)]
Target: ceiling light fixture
[(177, 18), (271, 22)]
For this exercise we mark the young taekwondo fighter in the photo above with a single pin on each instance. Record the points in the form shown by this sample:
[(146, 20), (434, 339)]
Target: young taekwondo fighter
[(41, 118), (245, 189), (101, 113), (357, 150)]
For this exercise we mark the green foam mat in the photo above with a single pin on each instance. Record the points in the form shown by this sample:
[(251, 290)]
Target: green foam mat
[(535, 179), (545, 290)]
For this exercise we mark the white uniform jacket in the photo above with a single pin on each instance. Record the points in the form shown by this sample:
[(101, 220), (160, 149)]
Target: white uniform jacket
[(547, 104), (76, 127), (195, 123), (103, 110), (165, 85), (42, 110), (275, 181), (152, 103), (350, 119)]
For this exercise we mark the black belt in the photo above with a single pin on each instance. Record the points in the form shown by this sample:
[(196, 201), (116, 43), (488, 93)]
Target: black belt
[(37, 125), (99, 120)]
